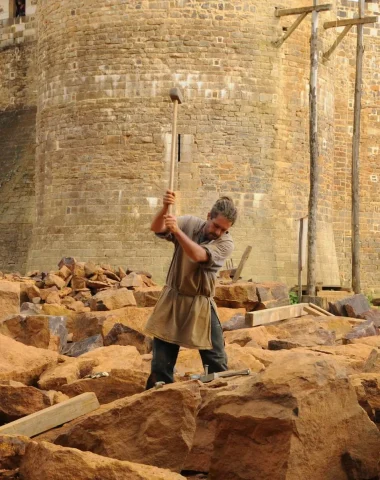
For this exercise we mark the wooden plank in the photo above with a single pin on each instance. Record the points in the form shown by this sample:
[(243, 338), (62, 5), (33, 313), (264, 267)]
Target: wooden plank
[(355, 204), (53, 416), (312, 311), (322, 310), (271, 315), (279, 42), (330, 51), (349, 21), (243, 260), (281, 12), (314, 158)]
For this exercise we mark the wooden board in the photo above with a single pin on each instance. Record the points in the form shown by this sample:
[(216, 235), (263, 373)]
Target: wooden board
[(243, 260), (313, 311), (280, 12), (321, 310), (349, 21), (271, 315), (53, 416)]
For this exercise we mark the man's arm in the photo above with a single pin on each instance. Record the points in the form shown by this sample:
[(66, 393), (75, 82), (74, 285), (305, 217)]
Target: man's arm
[(192, 249), (158, 222)]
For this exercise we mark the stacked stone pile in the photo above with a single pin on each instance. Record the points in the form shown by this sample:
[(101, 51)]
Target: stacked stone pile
[(309, 409), (83, 306)]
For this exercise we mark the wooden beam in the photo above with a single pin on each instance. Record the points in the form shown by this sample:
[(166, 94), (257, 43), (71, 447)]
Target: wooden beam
[(355, 204), (271, 315), (281, 12), (51, 417), (349, 21), (243, 260), (329, 52), (300, 243), (314, 161), (279, 42)]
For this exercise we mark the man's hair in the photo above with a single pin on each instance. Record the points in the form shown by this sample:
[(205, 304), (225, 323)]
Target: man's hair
[(224, 206)]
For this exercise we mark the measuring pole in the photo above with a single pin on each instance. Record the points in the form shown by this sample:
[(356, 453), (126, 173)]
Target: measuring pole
[(314, 168), (355, 239)]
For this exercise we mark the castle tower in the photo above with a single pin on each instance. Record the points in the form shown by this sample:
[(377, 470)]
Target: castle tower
[(104, 121)]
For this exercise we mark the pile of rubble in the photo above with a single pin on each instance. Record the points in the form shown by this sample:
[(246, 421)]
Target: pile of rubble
[(73, 399)]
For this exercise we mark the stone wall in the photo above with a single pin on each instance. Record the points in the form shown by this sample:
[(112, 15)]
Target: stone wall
[(344, 67), (17, 139), (104, 120), (103, 73)]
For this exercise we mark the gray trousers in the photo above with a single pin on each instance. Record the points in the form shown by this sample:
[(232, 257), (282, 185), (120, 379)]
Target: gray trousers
[(165, 355)]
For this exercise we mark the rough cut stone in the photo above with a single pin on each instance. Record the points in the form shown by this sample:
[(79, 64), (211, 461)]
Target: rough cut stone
[(41, 331), (119, 384), (147, 296), (351, 306), (122, 335), (235, 323), (114, 430), (75, 349), (132, 280), (189, 361), (133, 317), (32, 291), (52, 280), (366, 329), (12, 449), (68, 370), (372, 315), (226, 314), (270, 424), (55, 463), (18, 400), (367, 387), (28, 308), (259, 335), (9, 298), (236, 295), (272, 294), (23, 363), (112, 299)]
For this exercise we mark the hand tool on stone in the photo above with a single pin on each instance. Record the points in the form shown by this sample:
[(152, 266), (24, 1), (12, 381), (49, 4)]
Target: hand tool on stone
[(209, 377), (177, 99)]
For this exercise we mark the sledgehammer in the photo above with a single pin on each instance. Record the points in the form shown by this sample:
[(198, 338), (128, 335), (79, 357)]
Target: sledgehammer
[(177, 99)]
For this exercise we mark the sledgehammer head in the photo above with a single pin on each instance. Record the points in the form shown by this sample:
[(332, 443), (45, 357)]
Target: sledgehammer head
[(175, 94)]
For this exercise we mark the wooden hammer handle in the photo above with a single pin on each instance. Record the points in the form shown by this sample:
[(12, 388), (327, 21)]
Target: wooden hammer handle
[(172, 159)]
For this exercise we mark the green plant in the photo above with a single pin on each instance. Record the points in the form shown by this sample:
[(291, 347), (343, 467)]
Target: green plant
[(370, 298), (293, 298)]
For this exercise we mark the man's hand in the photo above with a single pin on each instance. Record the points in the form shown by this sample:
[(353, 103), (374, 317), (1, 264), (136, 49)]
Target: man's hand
[(171, 223), (169, 198)]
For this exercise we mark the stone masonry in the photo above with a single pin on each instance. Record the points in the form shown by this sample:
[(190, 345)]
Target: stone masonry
[(99, 74)]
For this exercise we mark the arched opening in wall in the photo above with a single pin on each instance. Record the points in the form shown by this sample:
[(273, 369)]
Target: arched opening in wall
[(17, 8)]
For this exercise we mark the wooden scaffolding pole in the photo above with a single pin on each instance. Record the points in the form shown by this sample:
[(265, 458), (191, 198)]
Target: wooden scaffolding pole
[(355, 213), (314, 153)]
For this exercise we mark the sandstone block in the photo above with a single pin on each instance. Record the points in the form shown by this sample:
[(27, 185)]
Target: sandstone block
[(55, 462), (115, 429), (271, 414), (147, 296), (9, 298), (122, 335), (23, 363), (112, 299), (41, 331), (18, 400), (237, 295), (119, 384)]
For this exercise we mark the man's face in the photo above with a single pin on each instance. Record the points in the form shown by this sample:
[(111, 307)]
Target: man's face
[(216, 227)]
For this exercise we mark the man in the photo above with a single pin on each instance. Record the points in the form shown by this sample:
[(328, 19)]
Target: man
[(20, 8), (185, 314)]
